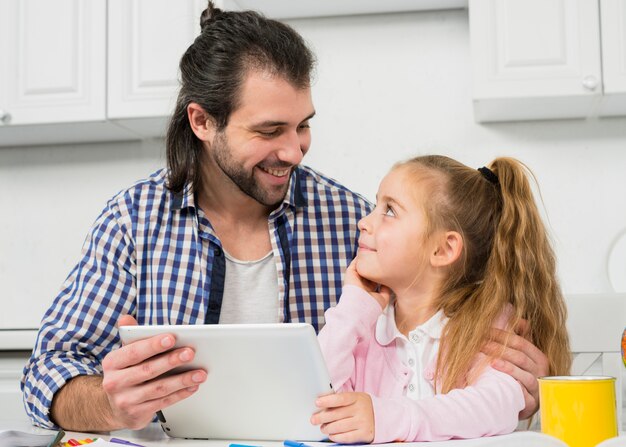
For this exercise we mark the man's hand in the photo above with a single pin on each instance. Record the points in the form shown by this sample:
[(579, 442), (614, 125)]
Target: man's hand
[(132, 381), (522, 361), (131, 390), (346, 418), (382, 294)]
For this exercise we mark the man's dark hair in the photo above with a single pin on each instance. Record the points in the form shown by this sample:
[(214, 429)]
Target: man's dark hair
[(212, 71)]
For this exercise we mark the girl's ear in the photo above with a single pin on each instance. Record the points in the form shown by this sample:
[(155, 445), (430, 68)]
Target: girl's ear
[(201, 122), (448, 250)]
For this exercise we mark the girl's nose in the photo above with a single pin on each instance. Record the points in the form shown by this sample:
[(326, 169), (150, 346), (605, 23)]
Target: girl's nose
[(364, 224)]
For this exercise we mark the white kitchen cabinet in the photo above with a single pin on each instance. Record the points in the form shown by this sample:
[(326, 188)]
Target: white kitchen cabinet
[(290, 9), (146, 39), (613, 19), (535, 59), (11, 365), (52, 74), (53, 60), (98, 70), (539, 59)]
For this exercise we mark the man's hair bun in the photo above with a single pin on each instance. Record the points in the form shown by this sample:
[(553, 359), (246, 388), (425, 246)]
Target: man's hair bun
[(209, 14)]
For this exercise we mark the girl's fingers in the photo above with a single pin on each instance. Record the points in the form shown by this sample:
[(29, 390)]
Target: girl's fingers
[(335, 400), (338, 427)]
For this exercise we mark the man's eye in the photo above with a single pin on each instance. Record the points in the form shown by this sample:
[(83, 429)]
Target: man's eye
[(272, 133), (304, 126)]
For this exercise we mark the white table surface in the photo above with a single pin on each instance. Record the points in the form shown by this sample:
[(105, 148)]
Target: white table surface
[(153, 436)]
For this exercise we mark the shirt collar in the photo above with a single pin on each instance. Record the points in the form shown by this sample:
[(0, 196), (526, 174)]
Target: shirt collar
[(183, 199), (293, 197), (387, 331)]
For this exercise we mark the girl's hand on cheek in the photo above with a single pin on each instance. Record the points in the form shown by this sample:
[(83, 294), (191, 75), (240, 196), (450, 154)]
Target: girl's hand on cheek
[(346, 418), (380, 293)]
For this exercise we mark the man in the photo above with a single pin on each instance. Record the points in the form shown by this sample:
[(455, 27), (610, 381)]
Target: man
[(235, 230)]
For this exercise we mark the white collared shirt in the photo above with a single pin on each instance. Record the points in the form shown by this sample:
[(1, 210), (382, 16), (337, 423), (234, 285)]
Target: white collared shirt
[(417, 351)]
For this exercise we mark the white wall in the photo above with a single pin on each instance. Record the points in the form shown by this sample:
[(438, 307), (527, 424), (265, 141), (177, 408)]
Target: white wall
[(388, 87), (49, 197)]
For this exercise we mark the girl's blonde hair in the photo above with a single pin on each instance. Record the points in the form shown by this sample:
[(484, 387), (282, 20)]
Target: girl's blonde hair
[(506, 259)]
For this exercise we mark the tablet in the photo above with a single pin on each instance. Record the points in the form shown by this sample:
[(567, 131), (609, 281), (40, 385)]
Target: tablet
[(262, 382)]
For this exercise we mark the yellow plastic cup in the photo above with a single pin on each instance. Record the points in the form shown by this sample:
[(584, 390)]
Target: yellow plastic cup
[(579, 410)]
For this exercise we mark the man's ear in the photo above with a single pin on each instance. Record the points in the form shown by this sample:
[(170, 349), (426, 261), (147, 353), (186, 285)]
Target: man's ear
[(448, 249), (202, 124)]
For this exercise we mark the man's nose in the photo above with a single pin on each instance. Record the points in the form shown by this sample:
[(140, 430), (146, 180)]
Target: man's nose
[(291, 148)]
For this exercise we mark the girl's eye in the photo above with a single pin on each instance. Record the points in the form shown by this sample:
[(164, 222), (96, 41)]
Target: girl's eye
[(390, 212)]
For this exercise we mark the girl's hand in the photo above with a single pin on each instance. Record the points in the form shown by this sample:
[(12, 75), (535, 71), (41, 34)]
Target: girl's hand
[(346, 418), (381, 293)]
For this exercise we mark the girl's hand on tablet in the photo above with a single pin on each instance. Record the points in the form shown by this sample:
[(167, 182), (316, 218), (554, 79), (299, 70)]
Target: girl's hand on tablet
[(133, 382), (346, 418), (380, 293)]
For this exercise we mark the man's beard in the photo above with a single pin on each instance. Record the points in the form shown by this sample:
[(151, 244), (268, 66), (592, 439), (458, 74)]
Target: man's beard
[(245, 181)]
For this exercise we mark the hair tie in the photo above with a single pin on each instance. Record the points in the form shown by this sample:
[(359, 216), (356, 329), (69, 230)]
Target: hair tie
[(489, 175)]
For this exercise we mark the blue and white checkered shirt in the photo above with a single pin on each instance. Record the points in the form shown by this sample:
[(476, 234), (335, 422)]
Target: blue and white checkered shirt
[(154, 255)]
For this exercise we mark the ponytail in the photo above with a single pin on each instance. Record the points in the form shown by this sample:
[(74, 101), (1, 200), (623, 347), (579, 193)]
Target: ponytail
[(522, 266), (507, 267)]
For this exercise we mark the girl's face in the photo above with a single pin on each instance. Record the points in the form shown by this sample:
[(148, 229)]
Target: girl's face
[(393, 250)]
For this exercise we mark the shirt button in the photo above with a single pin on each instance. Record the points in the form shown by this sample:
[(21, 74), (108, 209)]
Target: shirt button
[(411, 362), (411, 387), (415, 338)]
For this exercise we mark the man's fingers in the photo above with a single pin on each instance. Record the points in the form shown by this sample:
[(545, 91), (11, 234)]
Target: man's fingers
[(116, 380), (531, 404), (519, 350), (528, 382), (525, 378), (138, 414), (164, 387), (522, 328), (127, 320), (136, 352)]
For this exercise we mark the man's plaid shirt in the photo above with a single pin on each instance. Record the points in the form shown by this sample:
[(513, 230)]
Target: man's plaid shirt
[(154, 255)]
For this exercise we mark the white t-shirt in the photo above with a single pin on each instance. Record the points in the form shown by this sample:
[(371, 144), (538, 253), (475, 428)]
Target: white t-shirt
[(250, 291)]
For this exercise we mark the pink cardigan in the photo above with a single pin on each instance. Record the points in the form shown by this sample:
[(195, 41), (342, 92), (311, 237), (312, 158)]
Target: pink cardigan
[(357, 362)]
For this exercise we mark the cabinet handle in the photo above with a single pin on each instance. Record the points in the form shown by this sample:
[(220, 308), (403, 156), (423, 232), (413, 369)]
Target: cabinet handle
[(590, 82), (5, 117)]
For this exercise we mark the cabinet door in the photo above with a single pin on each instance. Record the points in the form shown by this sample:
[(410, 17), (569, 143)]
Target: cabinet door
[(535, 59), (11, 366), (614, 56), (147, 38), (53, 61)]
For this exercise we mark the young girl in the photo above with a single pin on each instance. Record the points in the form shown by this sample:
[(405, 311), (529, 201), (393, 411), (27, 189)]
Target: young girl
[(449, 253)]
